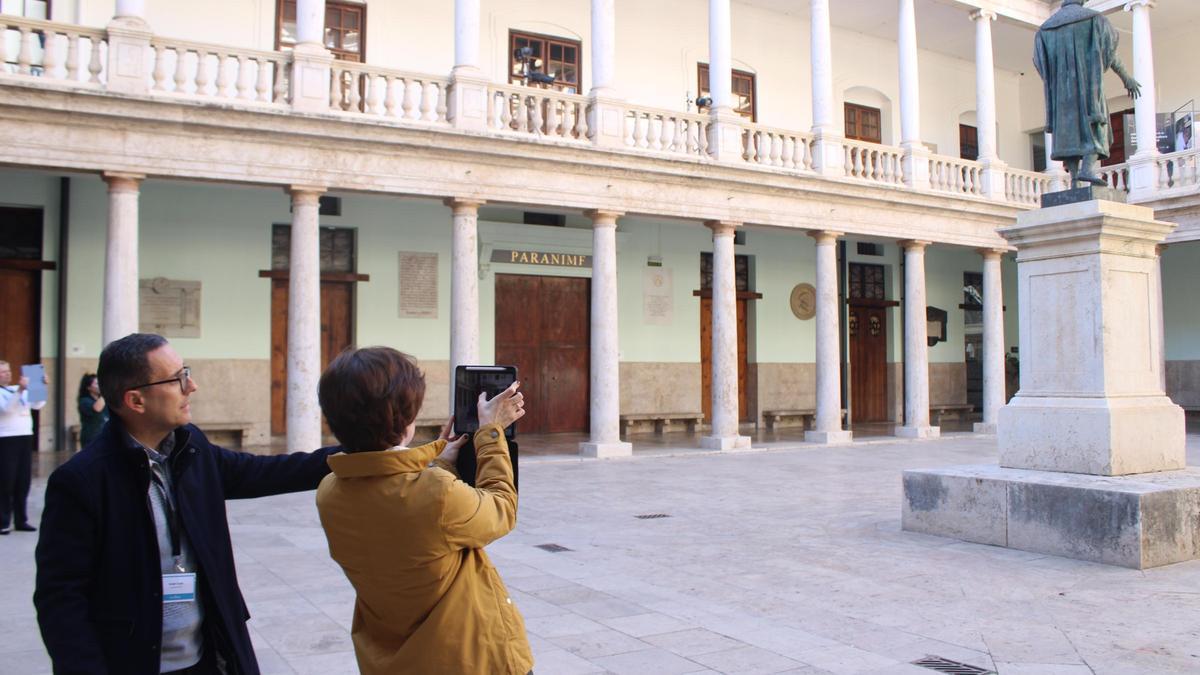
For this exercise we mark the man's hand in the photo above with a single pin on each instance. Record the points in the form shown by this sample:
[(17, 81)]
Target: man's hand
[(23, 383), (1132, 87), (453, 443), (504, 408)]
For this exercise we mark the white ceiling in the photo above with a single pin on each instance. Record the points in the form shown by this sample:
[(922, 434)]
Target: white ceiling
[(944, 26)]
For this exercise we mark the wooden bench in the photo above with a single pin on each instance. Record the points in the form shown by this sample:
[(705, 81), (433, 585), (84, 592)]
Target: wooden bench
[(660, 420), (960, 411), (806, 417)]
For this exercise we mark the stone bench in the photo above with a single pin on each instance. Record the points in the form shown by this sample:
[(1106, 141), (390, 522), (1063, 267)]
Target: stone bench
[(660, 420), (773, 418), (960, 411), (428, 428), (215, 431)]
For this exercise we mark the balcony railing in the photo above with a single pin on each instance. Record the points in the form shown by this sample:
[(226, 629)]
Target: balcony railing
[(64, 55)]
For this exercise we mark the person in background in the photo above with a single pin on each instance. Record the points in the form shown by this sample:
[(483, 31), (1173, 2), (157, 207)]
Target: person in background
[(93, 413), (409, 534), (16, 450)]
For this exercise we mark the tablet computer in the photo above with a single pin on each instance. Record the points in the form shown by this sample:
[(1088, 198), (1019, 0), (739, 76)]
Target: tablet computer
[(469, 381)]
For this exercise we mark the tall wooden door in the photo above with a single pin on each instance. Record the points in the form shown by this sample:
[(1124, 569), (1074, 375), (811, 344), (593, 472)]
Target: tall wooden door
[(337, 324), (543, 328), (20, 286), (743, 366), (867, 327)]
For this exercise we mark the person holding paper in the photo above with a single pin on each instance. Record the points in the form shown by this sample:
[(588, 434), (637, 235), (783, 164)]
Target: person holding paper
[(16, 450)]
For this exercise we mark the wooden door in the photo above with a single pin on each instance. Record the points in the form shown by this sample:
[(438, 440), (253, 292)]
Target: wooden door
[(706, 359), (546, 336), (337, 333), (1117, 152), (20, 316), (867, 327)]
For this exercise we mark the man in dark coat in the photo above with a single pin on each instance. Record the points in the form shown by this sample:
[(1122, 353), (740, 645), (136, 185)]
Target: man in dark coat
[(135, 570), (1072, 51)]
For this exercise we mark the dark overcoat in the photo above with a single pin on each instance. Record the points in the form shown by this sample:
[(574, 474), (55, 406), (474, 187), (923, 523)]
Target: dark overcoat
[(99, 579)]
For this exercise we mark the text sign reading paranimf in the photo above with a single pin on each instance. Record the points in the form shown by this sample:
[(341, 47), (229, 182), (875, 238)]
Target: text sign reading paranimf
[(542, 258)]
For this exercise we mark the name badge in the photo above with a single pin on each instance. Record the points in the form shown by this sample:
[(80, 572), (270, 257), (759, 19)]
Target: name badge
[(179, 587)]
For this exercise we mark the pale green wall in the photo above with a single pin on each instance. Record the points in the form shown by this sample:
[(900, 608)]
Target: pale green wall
[(1181, 309)]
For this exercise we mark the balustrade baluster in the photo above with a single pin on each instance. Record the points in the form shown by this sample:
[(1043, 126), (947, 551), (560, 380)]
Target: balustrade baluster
[(335, 89), (581, 115), (551, 116), (411, 102), (442, 106), (242, 84), (428, 101), (640, 126), (763, 144), (281, 82), (506, 111), (390, 99), (50, 56), (702, 135), (180, 77), (262, 86), (748, 150), (521, 112), (203, 72), (160, 68), (25, 54), (72, 56), (787, 156), (94, 64)]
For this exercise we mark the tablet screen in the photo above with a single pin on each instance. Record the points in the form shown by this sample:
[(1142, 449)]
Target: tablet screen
[(469, 381)]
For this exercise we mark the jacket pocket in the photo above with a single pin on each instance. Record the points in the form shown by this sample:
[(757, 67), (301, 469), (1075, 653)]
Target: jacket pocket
[(504, 603)]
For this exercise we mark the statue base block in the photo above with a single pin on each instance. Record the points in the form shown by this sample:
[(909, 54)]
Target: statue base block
[(1140, 521), (1082, 194)]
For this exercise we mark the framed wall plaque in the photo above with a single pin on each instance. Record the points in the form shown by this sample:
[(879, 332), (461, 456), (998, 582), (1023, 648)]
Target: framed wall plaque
[(804, 301)]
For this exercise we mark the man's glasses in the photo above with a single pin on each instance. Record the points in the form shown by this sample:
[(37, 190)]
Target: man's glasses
[(182, 378)]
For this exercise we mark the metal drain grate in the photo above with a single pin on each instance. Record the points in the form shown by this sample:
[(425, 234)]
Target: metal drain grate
[(553, 548), (944, 665), (652, 516)]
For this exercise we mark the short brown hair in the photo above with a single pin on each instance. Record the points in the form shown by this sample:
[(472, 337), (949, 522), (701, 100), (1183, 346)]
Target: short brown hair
[(370, 396)]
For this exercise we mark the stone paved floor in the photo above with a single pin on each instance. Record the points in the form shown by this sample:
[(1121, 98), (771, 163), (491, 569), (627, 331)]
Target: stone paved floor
[(789, 559)]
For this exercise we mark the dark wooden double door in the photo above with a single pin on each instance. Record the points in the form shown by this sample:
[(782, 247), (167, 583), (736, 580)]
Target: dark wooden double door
[(543, 327), (337, 333), (743, 365), (867, 328)]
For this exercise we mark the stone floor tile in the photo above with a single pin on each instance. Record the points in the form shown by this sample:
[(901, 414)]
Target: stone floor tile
[(1042, 669), (653, 660), (568, 594), (26, 661), (605, 608), (746, 661), (600, 643), (558, 625), (1030, 643), (333, 663), (694, 641), (641, 625), (844, 659), (554, 661)]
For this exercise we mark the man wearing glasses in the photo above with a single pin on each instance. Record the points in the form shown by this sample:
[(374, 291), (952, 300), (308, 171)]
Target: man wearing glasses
[(135, 570)]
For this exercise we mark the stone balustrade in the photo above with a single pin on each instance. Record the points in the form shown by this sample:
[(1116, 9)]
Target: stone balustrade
[(389, 94), (874, 163), (202, 71), (951, 174), (52, 51), (58, 54), (541, 113)]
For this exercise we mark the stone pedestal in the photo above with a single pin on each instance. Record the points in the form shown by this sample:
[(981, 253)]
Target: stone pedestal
[(1092, 458), (467, 103), (128, 55), (311, 70)]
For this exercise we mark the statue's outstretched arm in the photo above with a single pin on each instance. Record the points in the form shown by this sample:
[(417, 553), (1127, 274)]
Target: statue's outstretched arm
[(1131, 85)]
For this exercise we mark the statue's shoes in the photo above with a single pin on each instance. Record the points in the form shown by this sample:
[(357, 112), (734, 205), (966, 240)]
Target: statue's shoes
[(1094, 180)]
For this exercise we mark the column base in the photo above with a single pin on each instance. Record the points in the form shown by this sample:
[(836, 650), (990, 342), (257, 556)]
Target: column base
[(725, 442), (985, 427), (838, 437), (918, 432), (605, 450)]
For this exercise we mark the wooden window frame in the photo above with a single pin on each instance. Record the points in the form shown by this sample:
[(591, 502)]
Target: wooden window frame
[(513, 34), (339, 54), (964, 145), (863, 108), (703, 76)]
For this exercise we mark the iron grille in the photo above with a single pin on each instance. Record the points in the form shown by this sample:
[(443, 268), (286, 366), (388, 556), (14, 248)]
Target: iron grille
[(652, 516), (553, 548), (944, 665)]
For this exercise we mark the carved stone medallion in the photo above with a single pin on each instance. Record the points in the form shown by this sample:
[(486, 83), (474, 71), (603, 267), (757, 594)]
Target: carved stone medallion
[(804, 301)]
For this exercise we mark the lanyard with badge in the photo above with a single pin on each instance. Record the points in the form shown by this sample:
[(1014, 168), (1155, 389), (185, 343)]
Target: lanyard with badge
[(180, 585)]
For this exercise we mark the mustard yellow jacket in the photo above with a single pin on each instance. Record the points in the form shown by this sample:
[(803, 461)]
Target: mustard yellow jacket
[(410, 538)]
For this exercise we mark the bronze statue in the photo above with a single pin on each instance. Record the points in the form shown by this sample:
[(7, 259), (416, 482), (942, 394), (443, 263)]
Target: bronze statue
[(1072, 51)]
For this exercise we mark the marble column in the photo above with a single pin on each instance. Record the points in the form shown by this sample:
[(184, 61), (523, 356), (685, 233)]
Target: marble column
[(828, 425), (985, 105), (304, 321), (130, 9), (725, 138), (1143, 169), (464, 286), (605, 402), (993, 341), (828, 157), (724, 433), (311, 62), (606, 110), (467, 96), (916, 157), (916, 346), (121, 257)]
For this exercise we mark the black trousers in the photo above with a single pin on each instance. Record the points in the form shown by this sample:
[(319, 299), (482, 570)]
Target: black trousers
[(16, 470)]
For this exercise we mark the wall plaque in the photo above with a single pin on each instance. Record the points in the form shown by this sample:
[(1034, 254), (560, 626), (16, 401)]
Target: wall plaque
[(804, 301), (658, 299), (418, 285), (169, 307), (548, 258)]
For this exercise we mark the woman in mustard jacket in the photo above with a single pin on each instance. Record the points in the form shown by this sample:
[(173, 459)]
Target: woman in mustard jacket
[(409, 534)]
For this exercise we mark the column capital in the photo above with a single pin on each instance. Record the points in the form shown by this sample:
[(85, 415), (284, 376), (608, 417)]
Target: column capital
[(119, 181), (914, 244), (603, 217), (461, 205), (991, 253), (983, 14), (826, 236), (1133, 4), (305, 194), (722, 227)]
